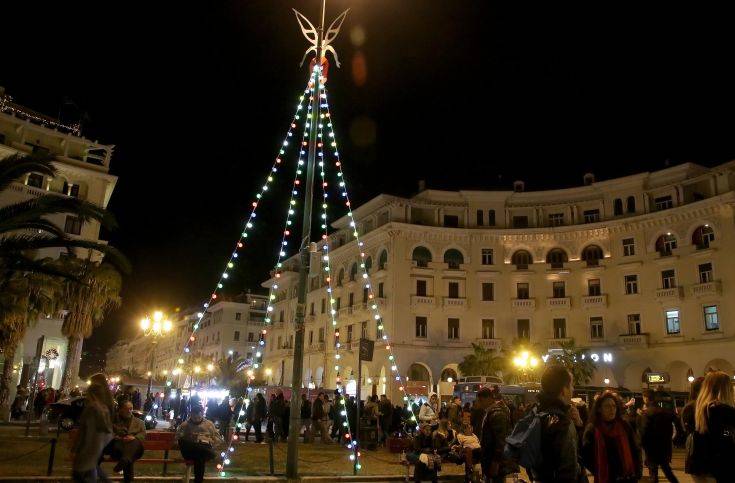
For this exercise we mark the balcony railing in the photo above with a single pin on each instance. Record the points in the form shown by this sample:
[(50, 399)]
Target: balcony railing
[(633, 340), (317, 347), (452, 302), (708, 288), (558, 302), (669, 293), (490, 344), (421, 300), (591, 301), (558, 342), (524, 304)]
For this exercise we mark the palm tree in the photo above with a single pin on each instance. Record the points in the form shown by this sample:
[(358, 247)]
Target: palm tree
[(482, 362), (574, 359), (93, 290), (227, 370)]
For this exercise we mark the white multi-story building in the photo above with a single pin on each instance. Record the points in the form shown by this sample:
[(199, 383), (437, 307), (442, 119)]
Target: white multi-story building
[(635, 269), (83, 172)]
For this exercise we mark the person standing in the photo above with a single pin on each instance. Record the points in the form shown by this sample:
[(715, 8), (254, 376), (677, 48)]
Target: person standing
[(609, 448), (428, 415), (197, 439), (385, 407), (136, 399), (495, 428), (183, 412), (712, 445), (224, 416), (275, 418), (286, 418), (319, 417), (259, 413), (306, 417), (127, 444), (687, 414), (95, 432), (454, 413), (657, 432)]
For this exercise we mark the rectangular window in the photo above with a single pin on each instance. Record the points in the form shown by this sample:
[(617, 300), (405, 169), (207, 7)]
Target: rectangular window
[(338, 303), (379, 330), (73, 225), (663, 203), (668, 279), (490, 217), (35, 180), (559, 289), (480, 221), (280, 317), (522, 290), (349, 333), (364, 330), (351, 299), (705, 273), (451, 221), (236, 337), (488, 291), (672, 322), (238, 315), (365, 293), (251, 337), (596, 329), (711, 319), (520, 222), (524, 329), (311, 337), (631, 284), (487, 256), (591, 216), (321, 334), (324, 305), (421, 288), (74, 191), (634, 324), (628, 247), (556, 219), (453, 290), (380, 290), (421, 327), (453, 328), (488, 328), (593, 287), (560, 328)]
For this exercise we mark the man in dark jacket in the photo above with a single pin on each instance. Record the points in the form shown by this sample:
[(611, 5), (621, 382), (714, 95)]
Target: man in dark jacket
[(306, 417), (558, 435), (657, 430), (385, 408), (275, 417), (495, 428), (259, 413)]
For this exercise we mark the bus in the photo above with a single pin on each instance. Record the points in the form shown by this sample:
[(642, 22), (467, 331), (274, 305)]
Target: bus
[(467, 387)]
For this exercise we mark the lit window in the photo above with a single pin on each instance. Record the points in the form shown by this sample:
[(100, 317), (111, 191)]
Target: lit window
[(711, 318), (672, 322), (596, 328)]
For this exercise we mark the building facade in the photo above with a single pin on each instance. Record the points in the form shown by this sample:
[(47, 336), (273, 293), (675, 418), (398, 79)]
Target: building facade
[(83, 172), (632, 269)]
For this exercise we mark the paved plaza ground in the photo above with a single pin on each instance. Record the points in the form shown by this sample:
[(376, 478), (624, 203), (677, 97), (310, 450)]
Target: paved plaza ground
[(21, 456)]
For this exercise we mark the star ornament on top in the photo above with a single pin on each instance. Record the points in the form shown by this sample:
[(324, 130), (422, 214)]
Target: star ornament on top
[(310, 32)]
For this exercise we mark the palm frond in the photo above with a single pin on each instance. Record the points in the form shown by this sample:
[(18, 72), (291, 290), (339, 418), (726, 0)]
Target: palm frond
[(14, 167), (39, 225), (46, 205)]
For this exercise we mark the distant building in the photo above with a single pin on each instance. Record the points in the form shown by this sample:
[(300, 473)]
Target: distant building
[(83, 172), (633, 269)]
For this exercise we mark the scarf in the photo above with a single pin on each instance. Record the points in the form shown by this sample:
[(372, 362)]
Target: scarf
[(616, 432)]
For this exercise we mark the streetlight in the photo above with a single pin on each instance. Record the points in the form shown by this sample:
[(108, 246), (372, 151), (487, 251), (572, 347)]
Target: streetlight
[(526, 363), (154, 327)]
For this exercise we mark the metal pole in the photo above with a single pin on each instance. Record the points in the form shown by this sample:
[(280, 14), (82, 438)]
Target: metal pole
[(153, 357), (292, 470), (356, 432)]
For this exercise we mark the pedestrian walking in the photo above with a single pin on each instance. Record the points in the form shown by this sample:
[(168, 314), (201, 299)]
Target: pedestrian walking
[(95, 432), (275, 418), (711, 448), (198, 438), (127, 444), (224, 416), (320, 417), (609, 448), (306, 417), (656, 433)]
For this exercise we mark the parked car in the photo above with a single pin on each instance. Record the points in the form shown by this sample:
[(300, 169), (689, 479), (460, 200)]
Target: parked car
[(66, 414)]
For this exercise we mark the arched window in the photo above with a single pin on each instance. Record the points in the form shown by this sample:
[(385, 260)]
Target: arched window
[(453, 258), (353, 272), (557, 258), (592, 254), (422, 256), (703, 236), (630, 204), (417, 372), (521, 259), (382, 260), (448, 375), (665, 244), (341, 277), (368, 264), (617, 207)]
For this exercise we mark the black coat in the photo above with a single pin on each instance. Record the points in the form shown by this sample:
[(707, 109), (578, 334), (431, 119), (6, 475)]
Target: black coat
[(714, 451), (657, 432), (558, 442), (305, 409), (495, 428)]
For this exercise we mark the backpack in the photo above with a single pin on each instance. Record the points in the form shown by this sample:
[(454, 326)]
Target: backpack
[(523, 445)]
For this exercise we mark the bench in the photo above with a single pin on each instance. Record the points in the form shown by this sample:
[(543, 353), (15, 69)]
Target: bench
[(154, 441)]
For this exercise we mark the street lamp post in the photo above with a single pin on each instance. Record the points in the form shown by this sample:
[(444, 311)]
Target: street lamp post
[(526, 363), (155, 328)]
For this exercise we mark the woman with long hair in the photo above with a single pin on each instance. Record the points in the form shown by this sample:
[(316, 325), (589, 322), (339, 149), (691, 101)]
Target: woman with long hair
[(95, 432), (609, 448), (711, 448)]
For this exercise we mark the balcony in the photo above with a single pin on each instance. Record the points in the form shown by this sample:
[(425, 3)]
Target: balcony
[(490, 344), (669, 293), (594, 301), (707, 289), (310, 318), (523, 304), (633, 340), (564, 303), (317, 347), (557, 343), (422, 301), (454, 303)]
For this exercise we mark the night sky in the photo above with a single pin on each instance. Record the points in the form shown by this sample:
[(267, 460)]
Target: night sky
[(196, 97)]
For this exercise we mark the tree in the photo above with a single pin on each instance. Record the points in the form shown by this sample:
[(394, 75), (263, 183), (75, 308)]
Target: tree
[(93, 290), (532, 363), (571, 357), (228, 369), (482, 362)]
